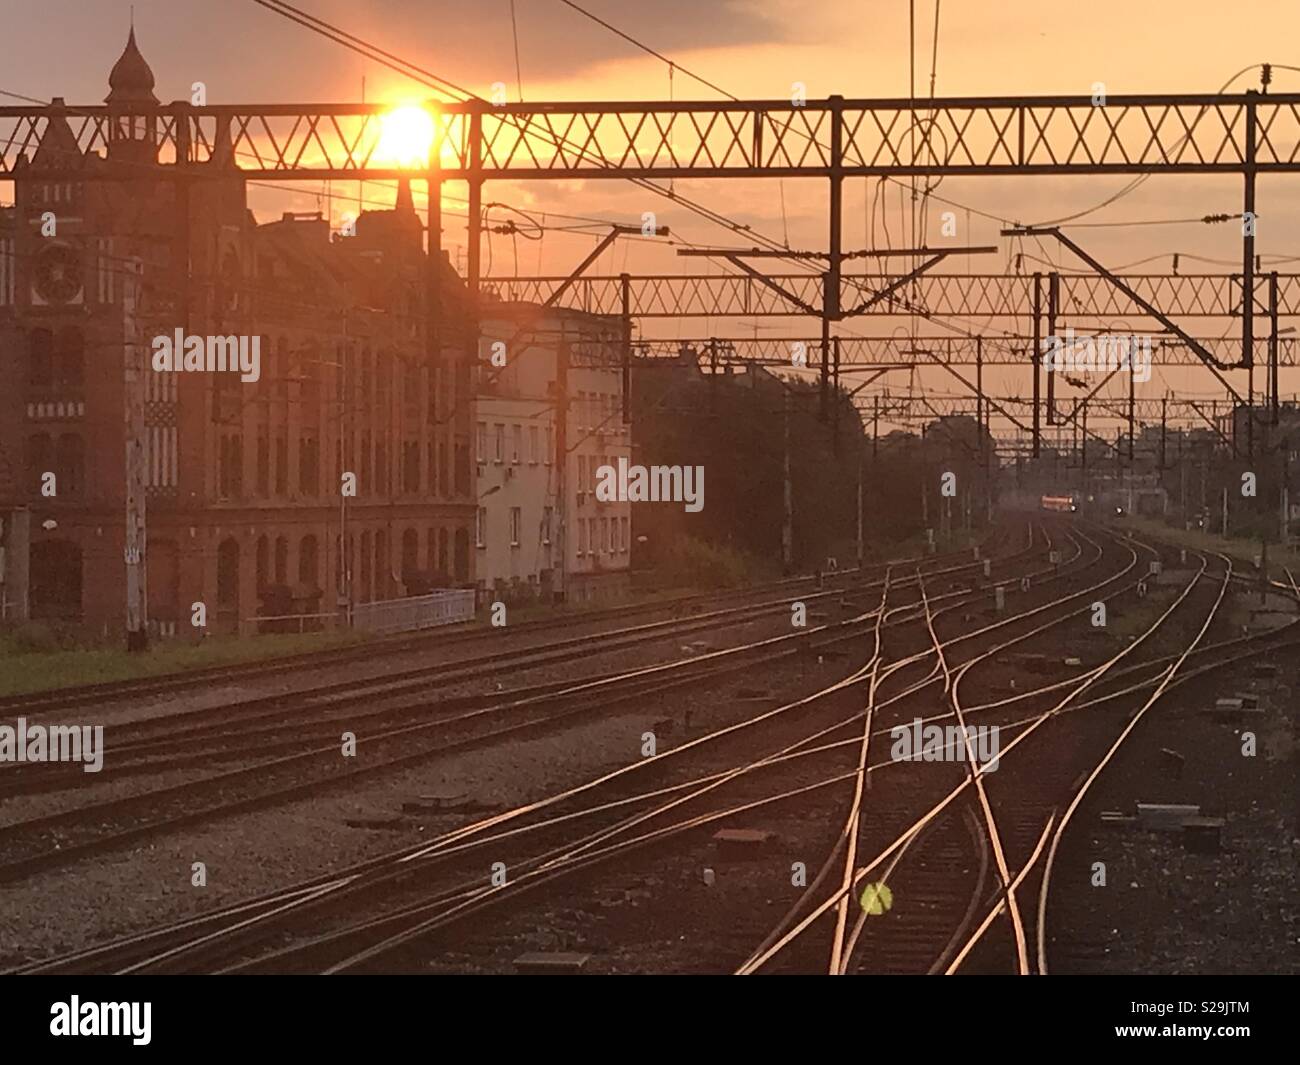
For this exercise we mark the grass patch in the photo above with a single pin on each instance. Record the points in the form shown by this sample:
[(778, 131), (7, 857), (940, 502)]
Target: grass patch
[(24, 669), (1242, 552)]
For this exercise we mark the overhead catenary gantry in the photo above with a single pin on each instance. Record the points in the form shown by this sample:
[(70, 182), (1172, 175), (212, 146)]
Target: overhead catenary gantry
[(1245, 134)]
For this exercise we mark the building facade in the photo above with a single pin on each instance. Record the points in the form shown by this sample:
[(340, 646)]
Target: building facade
[(341, 473), (540, 530)]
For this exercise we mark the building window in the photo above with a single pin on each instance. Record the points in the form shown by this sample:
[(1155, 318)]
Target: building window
[(604, 536), (582, 537), (39, 456), (582, 474), (308, 466), (70, 462), (411, 467), (533, 445), (231, 469), (463, 471), (516, 442), (307, 561), (482, 442), (263, 563), (550, 444), (514, 526), (70, 365), (263, 462), (40, 358), (480, 527), (281, 466), (546, 525), (499, 441), (626, 534)]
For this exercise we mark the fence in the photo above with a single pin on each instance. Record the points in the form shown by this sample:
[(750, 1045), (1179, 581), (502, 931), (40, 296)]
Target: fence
[(415, 612), (298, 623)]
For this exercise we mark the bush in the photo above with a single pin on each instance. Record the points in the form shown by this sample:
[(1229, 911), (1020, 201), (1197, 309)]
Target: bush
[(693, 563), (35, 637)]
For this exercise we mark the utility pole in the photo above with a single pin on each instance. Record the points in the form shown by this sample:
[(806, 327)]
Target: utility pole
[(1160, 473), (1132, 377), (1182, 492), (860, 450), (1284, 517), (787, 510), (625, 289), (1053, 298), (136, 538), (1037, 356), (562, 463), (345, 438), (1083, 454), (831, 278), (1164, 410), (1272, 347), (1248, 266)]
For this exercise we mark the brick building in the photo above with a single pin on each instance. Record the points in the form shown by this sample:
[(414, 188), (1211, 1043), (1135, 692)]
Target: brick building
[(107, 249)]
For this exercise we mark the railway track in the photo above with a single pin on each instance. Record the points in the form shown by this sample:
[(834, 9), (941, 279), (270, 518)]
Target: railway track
[(1018, 814), (457, 636), (337, 924), (418, 733), (1051, 574)]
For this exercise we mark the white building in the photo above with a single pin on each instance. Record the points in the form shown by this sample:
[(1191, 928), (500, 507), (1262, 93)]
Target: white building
[(522, 520)]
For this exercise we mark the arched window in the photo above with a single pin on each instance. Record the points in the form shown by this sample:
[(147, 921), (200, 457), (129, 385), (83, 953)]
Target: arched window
[(307, 561), (462, 554), (40, 359), (70, 359), (381, 565), (281, 560), (263, 563), (70, 464), (410, 553), (40, 456)]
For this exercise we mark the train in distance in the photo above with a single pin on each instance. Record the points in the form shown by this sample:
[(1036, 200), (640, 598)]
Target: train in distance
[(1065, 503)]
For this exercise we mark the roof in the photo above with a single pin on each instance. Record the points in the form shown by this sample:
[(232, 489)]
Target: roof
[(131, 80)]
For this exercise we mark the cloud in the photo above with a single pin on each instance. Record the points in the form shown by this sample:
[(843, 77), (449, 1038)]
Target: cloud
[(471, 40)]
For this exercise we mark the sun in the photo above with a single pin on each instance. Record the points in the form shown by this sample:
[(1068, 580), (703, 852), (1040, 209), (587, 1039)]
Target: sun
[(406, 135)]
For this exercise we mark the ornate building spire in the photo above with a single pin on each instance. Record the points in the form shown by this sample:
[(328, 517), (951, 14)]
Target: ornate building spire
[(131, 80)]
